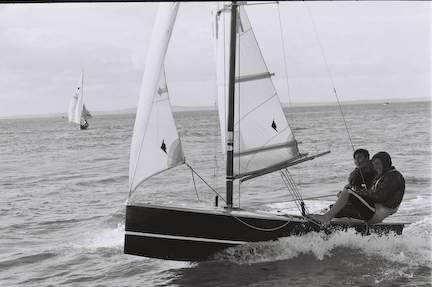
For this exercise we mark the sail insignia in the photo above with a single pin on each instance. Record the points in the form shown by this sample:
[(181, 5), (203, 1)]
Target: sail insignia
[(162, 91), (274, 126), (163, 146)]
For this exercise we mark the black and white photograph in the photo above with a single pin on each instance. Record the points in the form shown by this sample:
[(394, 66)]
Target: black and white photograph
[(195, 143)]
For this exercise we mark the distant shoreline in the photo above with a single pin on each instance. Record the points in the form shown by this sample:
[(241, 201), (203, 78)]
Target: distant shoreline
[(206, 108)]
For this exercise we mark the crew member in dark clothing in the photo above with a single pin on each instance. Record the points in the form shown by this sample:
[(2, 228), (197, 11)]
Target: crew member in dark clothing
[(364, 174), (376, 203), (361, 177)]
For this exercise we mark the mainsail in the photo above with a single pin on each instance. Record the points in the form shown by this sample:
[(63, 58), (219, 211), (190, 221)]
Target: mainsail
[(262, 136), (78, 113), (155, 143)]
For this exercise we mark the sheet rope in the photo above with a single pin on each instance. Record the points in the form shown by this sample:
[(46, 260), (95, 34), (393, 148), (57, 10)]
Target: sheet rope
[(229, 213)]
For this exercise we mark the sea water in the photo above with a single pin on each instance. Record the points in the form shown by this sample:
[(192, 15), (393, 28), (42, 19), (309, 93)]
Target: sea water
[(63, 194)]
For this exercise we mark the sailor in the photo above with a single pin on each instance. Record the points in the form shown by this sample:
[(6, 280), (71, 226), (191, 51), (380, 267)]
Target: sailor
[(374, 204), (364, 174)]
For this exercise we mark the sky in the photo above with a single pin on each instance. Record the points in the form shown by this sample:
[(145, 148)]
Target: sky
[(365, 50)]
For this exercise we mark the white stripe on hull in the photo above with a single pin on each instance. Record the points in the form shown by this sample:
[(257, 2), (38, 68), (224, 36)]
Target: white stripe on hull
[(185, 238)]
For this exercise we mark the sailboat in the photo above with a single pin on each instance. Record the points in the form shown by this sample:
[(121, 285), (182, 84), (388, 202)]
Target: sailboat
[(78, 112), (256, 140)]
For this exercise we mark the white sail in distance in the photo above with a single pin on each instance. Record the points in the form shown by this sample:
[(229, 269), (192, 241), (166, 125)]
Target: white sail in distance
[(77, 103), (78, 112), (85, 113), (155, 144), (262, 136)]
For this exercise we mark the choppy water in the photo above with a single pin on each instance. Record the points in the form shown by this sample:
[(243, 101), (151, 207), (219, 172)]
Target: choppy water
[(63, 193)]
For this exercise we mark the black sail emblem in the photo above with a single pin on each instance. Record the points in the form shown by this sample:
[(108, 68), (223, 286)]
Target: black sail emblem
[(274, 125), (163, 146)]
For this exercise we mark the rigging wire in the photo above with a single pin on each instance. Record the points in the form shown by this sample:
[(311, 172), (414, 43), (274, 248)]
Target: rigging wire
[(239, 35), (286, 176), (295, 193), (215, 133), (315, 197), (334, 89), (286, 69), (194, 172), (230, 213), (330, 76)]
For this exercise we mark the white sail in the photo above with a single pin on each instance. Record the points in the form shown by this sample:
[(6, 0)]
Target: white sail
[(155, 143), (76, 104), (85, 114), (78, 112), (262, 136)]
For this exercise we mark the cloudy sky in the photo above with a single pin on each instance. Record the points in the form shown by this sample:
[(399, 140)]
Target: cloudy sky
[(371, 50)]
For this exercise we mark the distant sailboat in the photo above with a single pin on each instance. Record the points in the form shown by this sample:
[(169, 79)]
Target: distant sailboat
[(78, 112)]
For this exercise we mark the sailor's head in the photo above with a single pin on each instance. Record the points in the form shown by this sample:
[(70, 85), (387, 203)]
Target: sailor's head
[(382, 162), (360, 156)]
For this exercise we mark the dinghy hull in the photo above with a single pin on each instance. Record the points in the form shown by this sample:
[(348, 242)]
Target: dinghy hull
[(175, 233)]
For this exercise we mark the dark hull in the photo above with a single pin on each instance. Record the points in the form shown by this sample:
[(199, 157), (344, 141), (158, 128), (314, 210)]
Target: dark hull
[(195, 235)]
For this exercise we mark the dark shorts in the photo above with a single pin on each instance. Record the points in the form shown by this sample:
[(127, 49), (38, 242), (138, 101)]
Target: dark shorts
[(365, 208)]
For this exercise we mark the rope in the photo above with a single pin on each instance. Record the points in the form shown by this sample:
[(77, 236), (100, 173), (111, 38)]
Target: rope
[(330, 76), (334, 89), (194, 172), (314, 197), (215, 161), (286, 70), (259, 228), (323, 227), (292, 188), (229, 213), (196, 190), (295, 193)]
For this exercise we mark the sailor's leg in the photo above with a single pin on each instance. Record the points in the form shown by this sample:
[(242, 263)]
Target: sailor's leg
[(340, 203), (365, 208)]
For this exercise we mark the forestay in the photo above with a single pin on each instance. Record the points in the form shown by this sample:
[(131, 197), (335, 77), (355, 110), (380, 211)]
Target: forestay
[(262, 136), (155, 143)]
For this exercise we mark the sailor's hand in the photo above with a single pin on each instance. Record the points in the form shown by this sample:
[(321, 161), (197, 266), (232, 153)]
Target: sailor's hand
[(358, 192)]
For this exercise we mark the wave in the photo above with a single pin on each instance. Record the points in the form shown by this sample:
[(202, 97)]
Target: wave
[(109, 239), (418, 180), (412, 248), (315, 259), (107, 234), (24, 260)]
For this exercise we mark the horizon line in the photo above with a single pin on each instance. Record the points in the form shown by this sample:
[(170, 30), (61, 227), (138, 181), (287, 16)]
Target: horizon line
[(177, 108)]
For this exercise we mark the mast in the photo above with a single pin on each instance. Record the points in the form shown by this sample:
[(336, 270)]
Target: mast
[(231, 90)]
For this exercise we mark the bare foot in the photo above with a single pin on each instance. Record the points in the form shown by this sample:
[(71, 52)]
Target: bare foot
[(320, 218)]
